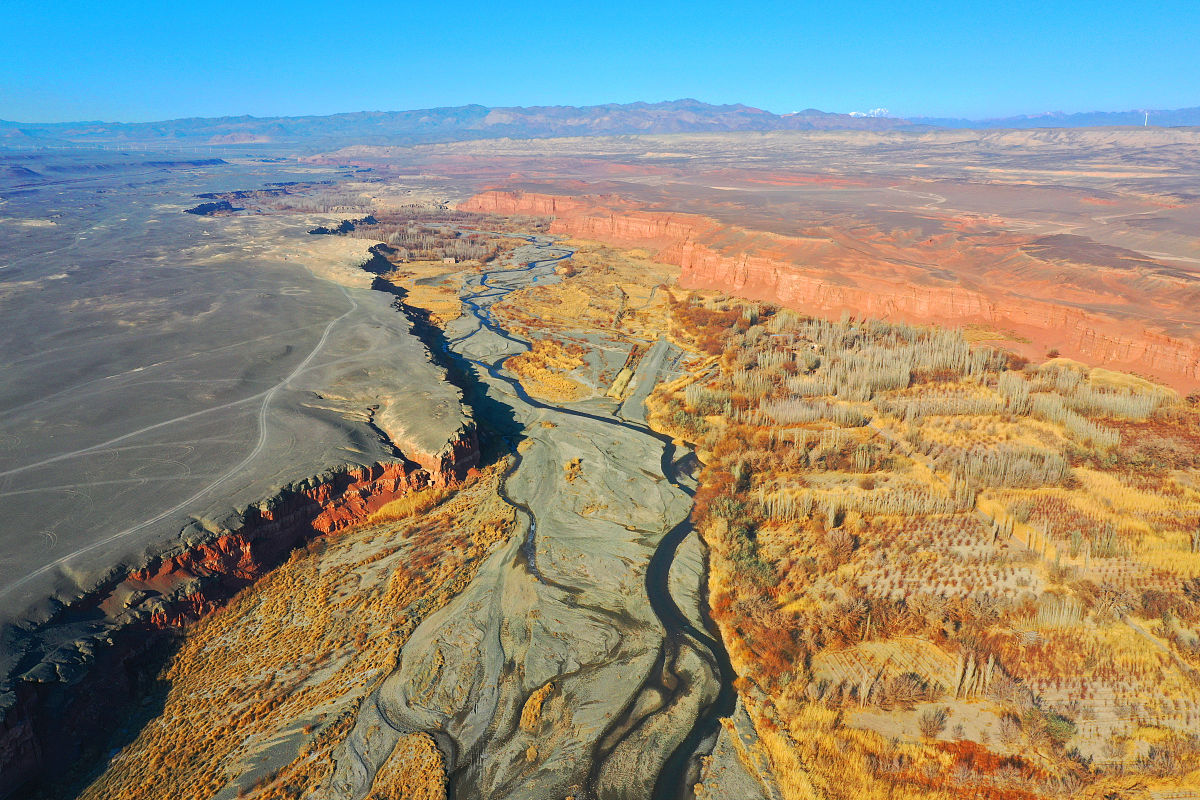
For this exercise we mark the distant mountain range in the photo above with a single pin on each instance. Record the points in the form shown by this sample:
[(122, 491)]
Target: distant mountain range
[(480, 122), (439, 125)]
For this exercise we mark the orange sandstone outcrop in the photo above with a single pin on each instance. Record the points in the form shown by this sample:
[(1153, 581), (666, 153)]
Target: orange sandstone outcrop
[(1144, 321), (208, 573), (59, 710)]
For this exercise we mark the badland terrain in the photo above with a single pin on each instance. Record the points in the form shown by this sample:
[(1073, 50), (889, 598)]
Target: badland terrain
[(751, 464)]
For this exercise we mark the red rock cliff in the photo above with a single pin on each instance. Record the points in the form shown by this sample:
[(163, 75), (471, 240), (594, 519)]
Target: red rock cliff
[(1099, 318), (56, 709)]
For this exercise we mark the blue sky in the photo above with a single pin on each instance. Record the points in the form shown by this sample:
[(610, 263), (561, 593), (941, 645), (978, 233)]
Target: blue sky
[(137, 61)]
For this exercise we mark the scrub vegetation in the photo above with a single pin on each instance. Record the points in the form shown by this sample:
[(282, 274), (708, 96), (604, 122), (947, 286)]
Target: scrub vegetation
[(939, 569), (601, 299), (622, 294), (262, 691), (545, 368)]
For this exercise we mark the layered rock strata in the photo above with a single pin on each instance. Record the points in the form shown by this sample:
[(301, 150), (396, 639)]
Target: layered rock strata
[(1130, 319), (98, 654)]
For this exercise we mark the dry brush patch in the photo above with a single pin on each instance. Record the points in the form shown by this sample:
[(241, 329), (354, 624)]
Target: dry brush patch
[(621, 293), (544, 370), (605, 306), (414, 771), (941, 571), (290, 657)]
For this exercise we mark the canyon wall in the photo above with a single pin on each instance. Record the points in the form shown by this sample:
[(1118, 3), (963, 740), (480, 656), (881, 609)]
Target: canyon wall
[(98, 656), (827, 276)]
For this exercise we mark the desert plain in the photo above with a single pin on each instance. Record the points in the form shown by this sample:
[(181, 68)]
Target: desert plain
[(762, 464)]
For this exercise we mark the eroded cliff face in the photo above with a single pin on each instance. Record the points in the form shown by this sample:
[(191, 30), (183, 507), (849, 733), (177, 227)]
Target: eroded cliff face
[(1132, 318), (203, 576), (94, 659)]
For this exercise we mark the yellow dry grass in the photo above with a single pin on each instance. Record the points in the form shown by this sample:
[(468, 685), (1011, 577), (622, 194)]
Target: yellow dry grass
[(543, 370), (1065, 363), (547, 385), (620, 384), (303, 646), (531, 712), (1098, 376), (814, 755), (602, 289), (414, 771), (989, 333), (899, 655), (1171, 553), (409, 505), (969, 430), (442, 302), (432, 286)]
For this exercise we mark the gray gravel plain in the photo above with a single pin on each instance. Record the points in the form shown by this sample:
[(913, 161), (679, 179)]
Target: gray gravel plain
[(160, 371)]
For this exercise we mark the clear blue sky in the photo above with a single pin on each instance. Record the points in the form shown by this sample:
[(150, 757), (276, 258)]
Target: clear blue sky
[(136, 61)]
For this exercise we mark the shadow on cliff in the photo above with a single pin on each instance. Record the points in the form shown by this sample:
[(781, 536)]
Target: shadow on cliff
[(72, 735), (123, 697), (499, 431)]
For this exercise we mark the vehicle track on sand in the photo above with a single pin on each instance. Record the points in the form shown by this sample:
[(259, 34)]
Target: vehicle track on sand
[(263, 410)]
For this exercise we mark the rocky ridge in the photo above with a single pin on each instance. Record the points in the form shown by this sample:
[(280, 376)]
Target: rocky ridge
[(91, 659), (83, 661), (820, 274)]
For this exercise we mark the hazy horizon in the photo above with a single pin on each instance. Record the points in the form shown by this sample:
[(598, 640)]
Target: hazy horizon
[(876, 112)]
